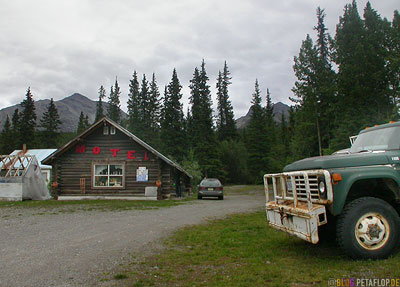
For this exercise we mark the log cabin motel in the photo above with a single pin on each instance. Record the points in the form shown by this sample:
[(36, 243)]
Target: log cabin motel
[(107, 161)]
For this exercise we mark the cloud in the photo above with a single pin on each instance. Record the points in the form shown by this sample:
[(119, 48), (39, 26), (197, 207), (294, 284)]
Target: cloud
[(62, 47)]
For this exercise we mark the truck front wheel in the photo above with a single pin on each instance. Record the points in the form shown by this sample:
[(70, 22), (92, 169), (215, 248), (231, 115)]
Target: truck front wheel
[(368, 228)]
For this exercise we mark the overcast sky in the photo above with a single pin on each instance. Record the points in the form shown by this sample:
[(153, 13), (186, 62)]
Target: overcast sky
[(62, 47)]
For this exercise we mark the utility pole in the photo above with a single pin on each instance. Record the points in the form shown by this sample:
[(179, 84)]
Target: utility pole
[(319, 130), (319, 136)]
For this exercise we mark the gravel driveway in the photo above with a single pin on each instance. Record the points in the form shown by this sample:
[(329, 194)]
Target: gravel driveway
[(76, 248)]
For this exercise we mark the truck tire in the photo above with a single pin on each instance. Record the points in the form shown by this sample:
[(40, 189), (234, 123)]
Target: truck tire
[(368, 228)]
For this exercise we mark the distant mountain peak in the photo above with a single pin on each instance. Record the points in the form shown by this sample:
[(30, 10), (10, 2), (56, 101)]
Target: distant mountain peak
[(68, 108), (76, 97), (278, 108)]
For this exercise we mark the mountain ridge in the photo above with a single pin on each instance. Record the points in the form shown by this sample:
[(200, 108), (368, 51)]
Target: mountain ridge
[(278, 108), (69, 109)]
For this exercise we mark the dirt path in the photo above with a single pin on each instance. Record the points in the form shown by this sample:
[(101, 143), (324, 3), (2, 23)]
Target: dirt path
[(76, 248)]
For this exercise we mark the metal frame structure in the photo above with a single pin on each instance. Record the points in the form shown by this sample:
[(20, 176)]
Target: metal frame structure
[(14, 165)]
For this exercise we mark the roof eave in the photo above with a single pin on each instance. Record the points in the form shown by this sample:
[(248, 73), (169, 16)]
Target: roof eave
[(48, 159)]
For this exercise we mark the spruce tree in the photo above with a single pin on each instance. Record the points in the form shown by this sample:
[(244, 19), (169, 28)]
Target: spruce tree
[(28, 117), (86, 122), (362, 58), (305, 141), (15, 129), (7, 139), (134, 119), (172, 124), (257, 138), (154, 112), (99, 105), (113, 111), (304, 68), (155, 105), (375, 61), (144, 132), (349, 57), (203, 136), (315, 91), (50, 122), (189, 130), (269, 112), (81, 124), (162, 107), (147, 111), (325, 84), (195, 110), (352, 99), (226, 125), (220, 106), (270, 126)]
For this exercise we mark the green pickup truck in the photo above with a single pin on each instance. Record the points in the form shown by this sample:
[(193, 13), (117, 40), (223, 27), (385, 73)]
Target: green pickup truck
[(358, 190)]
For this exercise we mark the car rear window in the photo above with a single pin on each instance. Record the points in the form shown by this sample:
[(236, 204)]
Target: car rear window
[(210, 182)]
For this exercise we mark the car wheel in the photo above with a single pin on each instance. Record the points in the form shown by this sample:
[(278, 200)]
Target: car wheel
[(368, 228), (199, 196), (221, 197)]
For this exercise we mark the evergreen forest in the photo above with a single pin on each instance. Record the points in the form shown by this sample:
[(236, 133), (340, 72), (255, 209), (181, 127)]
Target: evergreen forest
[(345, 82)]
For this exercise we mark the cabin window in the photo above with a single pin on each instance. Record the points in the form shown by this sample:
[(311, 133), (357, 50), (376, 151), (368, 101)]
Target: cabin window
[(105, 130), (112, 130), (108, 175)]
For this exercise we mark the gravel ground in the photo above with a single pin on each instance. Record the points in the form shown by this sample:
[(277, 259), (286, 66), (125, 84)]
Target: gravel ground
[(77, 248)]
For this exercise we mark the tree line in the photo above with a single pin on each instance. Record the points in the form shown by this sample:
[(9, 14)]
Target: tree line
[(23, 128), (344, 83)]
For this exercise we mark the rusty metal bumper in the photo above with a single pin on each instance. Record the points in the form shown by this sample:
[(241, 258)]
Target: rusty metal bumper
[(298, 221), (298, 211)]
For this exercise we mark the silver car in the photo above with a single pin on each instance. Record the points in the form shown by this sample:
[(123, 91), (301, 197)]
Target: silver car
[(210, 187)]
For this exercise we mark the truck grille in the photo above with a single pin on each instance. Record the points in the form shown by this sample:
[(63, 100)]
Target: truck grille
[(282, 186), (301, 187)]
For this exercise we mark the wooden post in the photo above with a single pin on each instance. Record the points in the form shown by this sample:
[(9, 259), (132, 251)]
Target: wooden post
[(55, 178), (159, 180), (82, 183)]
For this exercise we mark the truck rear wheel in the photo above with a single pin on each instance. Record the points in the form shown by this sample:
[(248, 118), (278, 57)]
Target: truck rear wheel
[(368, 228)]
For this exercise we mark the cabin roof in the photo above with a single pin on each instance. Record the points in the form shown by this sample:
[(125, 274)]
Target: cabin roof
[(101, 122)]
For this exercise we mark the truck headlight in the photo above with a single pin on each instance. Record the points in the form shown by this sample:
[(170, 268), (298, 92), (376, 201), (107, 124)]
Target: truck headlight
[(322, 188)]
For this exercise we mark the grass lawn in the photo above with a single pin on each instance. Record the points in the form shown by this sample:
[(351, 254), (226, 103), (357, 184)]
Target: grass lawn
[(242, 251), (71, 205), (243, 189), (88, 205)]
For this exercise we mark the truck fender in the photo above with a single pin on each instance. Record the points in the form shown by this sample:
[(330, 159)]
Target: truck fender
[(350, 178)]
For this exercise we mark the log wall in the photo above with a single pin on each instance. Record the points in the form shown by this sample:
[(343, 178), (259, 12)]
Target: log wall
[(74, 173)]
